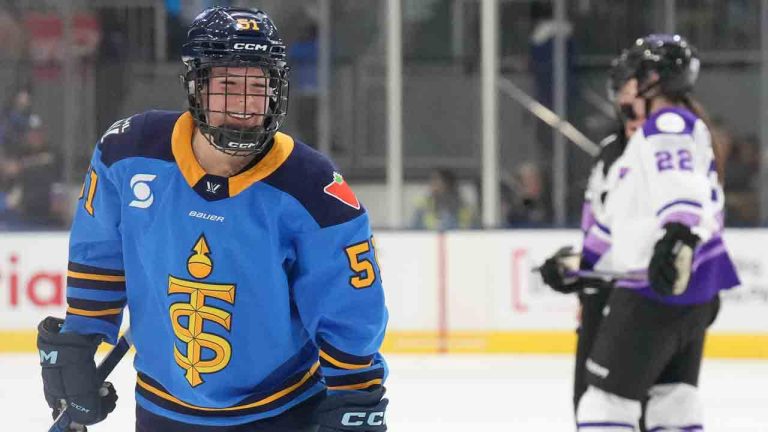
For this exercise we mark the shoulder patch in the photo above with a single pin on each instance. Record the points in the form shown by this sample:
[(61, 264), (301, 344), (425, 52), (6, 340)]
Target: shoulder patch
[(142, 135), (340, 190), (311, 178), (675, 121)]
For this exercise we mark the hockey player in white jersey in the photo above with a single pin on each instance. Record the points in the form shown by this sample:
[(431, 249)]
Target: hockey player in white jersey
[(558, 270), (664, 215)]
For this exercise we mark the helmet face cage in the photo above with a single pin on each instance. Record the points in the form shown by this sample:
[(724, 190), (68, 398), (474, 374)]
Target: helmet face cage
[(236, 79), (221, 94)]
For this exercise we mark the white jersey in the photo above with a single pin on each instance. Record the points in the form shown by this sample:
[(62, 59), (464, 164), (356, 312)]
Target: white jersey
[(597, 241), (667, 174)]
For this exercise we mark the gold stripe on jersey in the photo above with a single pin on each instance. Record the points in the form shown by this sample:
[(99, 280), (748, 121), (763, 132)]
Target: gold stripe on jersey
[(96, 277), (342, 365), (88, 313), (160, 393), (181, 145), (360, 386)]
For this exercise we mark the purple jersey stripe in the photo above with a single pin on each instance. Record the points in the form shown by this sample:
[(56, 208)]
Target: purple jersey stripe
[(712, 275), (676, 203), (710, 254), (603, 228), (683, 217), (623, 171), (596, 244), (588, 259), (587, 217), (651, 127), (690, 428), (599, 425)]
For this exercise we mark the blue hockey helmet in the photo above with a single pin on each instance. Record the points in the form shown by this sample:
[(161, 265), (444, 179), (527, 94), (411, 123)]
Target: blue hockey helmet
[(671, 57), (228, 38)]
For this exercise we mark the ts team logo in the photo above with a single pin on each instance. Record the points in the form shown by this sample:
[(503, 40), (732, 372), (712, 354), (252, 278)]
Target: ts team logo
[(202, 353), (141, 191), (340, 190)]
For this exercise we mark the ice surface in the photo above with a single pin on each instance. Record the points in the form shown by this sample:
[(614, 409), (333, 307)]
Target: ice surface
[(462, 393)]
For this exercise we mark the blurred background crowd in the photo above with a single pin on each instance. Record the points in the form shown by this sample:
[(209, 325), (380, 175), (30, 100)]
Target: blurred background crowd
[(70, 68)]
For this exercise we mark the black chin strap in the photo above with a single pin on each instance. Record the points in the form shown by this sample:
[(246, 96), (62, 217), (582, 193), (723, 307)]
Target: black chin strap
[(643, 93)]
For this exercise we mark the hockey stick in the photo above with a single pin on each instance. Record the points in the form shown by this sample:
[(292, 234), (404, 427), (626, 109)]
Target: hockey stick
[(63, 422), (548, 116), (605, 275)]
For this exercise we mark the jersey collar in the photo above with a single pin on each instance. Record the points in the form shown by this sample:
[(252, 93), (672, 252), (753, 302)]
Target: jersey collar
[(181, 144)]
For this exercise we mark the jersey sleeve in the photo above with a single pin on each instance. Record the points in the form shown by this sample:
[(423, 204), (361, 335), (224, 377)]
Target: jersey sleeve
[(597, 240), (336, 284), (676, 168), (95, 278)]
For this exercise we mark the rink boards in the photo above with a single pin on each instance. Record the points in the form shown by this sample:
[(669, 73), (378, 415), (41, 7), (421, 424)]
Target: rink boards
[(458, 292)]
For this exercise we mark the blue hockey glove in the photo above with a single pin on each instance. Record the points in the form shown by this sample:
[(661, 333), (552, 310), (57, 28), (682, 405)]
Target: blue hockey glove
[(69, 374)]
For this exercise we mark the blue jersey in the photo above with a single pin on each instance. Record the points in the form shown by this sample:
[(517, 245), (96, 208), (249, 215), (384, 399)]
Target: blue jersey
[(247, 294)]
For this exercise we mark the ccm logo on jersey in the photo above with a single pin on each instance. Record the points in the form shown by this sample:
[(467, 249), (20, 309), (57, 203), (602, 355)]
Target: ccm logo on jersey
[(141, 190), (363, 418), (249, 47)]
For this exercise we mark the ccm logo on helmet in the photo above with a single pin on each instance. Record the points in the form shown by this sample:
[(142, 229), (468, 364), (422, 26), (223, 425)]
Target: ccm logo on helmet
[(363, 418), (250, 46), (241, 145)]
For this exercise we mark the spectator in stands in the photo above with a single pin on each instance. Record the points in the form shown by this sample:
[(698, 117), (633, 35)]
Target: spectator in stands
[(742, 168), (444, 207), (33, 172), (303, 56), (14, 121), (524, 201)]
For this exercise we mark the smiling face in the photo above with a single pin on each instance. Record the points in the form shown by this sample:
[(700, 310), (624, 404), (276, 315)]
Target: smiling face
[(236, 97)]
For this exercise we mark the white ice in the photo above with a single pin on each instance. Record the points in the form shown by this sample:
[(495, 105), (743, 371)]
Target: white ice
[(462, 393)]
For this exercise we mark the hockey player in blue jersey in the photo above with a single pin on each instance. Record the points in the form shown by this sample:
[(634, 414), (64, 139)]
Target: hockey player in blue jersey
[(245, 260)]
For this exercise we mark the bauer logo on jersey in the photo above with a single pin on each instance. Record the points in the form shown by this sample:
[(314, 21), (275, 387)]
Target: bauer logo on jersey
[(200, 352), (340, 190), (142, 193)]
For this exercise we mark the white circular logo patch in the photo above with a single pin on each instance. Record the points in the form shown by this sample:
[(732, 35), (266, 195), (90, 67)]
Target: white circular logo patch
[(670, 123), (141, 190)]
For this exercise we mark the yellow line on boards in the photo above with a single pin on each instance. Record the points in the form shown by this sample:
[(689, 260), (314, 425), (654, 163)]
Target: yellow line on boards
[(719, 345)]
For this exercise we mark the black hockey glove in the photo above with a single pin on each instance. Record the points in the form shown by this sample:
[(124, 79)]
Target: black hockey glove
[(69, 374), (356, 411), (670, 267), (553, 271)]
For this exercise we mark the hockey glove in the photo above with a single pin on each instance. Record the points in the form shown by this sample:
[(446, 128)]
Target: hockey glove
[(670, 269), (354, 411), (555, 268), (69, 374)]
